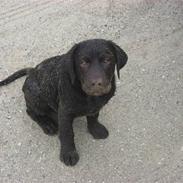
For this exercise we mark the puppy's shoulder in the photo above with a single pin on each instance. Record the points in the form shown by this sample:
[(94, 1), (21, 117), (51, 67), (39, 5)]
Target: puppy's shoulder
[(49, 63)]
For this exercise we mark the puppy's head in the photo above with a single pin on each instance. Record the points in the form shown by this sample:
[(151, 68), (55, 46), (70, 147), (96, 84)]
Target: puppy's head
[(93, 63)]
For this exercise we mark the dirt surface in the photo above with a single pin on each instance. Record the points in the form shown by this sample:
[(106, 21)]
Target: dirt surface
[(145, 118)]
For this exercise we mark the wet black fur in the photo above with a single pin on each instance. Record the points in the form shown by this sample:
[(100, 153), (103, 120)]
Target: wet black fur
[(54, 97)]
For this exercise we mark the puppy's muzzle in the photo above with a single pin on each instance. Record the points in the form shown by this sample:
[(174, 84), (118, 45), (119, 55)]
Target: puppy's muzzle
[(96, 87)]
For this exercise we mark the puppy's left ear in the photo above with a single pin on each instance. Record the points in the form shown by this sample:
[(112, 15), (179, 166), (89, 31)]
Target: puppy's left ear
[(71, 63), (121, 57)]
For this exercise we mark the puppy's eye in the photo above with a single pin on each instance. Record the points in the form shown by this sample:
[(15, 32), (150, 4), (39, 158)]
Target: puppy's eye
[(106, 61), (84, 62)]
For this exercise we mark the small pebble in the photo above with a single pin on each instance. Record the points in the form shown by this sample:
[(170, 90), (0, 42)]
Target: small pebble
[(118, 83), (181, 148), (27, 171), (8, 117), (19, 144)]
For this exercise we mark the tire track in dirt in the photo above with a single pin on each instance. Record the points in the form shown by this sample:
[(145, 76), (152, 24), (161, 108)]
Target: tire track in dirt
[(37, 9), (17, 7), (26, 9)]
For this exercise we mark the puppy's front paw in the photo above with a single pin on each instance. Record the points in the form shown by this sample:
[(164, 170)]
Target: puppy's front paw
[(69, 158), (98, 131)]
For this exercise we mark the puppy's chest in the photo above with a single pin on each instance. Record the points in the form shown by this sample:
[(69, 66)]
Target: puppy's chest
[(91, 106)]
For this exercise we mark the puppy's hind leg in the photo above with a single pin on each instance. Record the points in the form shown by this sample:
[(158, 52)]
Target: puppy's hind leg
[(38, 109), (48, 125)]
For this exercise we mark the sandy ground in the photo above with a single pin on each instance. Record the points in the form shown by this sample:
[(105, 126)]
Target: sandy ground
[(145, 118)]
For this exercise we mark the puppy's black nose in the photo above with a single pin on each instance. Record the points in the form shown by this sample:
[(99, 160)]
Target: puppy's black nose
[(97, 82)]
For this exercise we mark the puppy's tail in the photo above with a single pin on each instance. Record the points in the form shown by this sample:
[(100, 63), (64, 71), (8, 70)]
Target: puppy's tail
[(15, 76)]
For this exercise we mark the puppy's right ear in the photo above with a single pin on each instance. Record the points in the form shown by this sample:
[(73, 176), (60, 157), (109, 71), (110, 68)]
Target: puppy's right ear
[(71, 62)]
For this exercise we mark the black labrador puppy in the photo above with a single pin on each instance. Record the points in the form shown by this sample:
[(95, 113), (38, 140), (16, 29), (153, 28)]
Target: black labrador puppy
[(78, 83)]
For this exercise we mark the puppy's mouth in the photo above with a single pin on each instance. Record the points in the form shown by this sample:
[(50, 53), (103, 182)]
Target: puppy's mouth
[(99, 91)]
